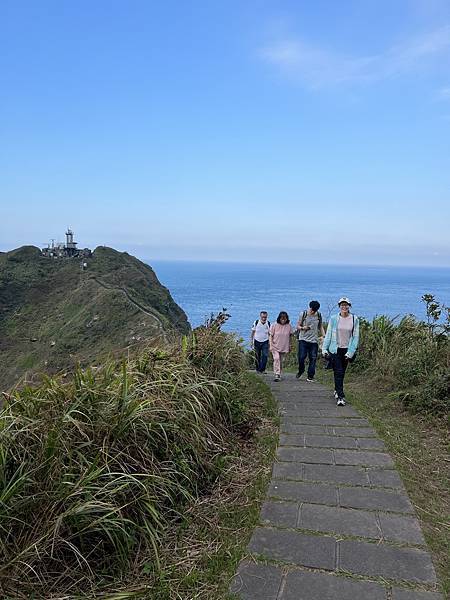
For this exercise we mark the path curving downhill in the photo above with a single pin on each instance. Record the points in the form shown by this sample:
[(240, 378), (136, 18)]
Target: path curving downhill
[(136, 304), (337, 523)]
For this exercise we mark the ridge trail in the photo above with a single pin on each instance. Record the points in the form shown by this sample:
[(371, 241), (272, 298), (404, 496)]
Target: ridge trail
[(136, 304)]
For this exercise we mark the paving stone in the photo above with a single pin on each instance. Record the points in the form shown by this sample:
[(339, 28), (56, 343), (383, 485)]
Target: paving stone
[(287, 427), (351, 422), (339, 520), (370, 443), (330, 441), (307, 401), (292, 439), (287, 470), (385, 478), (369, 498), (280, 514), (401, 529), (310, 405), (306, 455), (301, 399), (328, 421), (336, 473), (364, 558), (303, 492), (354, 431), (343, 411), (295, 548), (256, 581), (402, 594), (300, 412), (303, 585), (371, 459)]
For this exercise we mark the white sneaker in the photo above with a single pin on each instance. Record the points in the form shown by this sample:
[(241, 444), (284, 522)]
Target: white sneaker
[(310, 380), (340, 402)]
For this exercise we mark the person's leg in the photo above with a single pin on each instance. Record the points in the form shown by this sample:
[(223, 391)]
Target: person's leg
[(302, 351), (338, 375), (276, 363), (344, 363), (257, 346), (339, 368), (312, 352), (264, 355), (282, 355)]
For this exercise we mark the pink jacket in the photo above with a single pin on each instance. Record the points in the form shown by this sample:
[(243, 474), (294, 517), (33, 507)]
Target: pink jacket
[(280, 336)]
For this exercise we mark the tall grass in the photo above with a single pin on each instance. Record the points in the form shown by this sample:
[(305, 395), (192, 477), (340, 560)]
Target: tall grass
[(93, 470), (410, 357)]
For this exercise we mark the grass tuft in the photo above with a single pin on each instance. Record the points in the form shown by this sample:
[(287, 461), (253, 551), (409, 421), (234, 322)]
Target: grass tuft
[(95, 471)]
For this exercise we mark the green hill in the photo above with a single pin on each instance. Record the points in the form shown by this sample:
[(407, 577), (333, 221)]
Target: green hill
[(53, 314)]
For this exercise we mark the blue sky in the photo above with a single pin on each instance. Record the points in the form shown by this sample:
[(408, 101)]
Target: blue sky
[(288, 131)]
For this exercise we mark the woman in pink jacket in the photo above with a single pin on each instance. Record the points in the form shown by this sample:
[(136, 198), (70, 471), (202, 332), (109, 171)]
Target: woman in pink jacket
[(280, 342)]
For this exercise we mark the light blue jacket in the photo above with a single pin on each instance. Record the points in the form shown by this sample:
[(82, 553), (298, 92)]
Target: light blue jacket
[(330, 341)]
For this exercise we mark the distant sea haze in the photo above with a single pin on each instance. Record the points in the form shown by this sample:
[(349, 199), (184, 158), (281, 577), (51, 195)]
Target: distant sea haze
[(202, 288)]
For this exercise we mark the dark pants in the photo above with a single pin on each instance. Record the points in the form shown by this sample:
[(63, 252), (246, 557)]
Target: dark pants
[(261, 354), (340, 364), (307, 349)]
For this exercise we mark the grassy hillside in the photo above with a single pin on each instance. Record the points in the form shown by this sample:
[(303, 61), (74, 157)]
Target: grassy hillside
[(97, 471), (53, 314)]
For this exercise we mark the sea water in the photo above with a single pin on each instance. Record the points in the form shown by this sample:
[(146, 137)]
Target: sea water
[(202, 288)]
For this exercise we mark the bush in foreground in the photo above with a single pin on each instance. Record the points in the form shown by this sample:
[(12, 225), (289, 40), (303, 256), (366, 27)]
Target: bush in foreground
[(93, 470), (411, 357)]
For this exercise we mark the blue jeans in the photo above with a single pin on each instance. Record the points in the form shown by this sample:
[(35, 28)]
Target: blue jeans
[(261, 355), (307, 349)]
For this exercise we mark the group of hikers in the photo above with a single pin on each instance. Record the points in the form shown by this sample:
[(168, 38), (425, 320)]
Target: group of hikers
[(338, 345)]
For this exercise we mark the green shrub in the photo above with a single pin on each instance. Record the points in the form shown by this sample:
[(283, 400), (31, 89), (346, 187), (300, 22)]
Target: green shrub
[(412, 358), (93, 470)]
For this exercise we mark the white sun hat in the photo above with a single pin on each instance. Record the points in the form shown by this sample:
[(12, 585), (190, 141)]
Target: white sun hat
[(344, 299)]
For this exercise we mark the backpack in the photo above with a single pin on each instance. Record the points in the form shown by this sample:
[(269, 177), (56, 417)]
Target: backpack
[(257, 321), (305, 314)]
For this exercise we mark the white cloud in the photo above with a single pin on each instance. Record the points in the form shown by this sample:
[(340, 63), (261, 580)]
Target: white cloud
[(444, 93), (319, 67)]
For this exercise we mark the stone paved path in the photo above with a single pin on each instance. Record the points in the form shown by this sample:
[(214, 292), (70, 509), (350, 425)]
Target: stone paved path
[(337, 523)]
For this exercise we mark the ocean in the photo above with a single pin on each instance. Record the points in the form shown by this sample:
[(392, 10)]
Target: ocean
[(202, 288)]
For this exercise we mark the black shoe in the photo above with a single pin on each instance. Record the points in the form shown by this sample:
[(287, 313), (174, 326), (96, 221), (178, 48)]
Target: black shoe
[(340, 401), (298, 375)]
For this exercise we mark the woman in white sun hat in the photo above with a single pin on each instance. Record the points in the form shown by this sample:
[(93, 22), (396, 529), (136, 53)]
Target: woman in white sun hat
[(340, 344)]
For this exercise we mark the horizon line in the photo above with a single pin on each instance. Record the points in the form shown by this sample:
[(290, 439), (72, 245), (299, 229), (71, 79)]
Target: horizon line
[(291, 263), (262, 263)]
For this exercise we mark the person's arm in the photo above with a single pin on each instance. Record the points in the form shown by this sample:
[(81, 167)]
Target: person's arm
[(354, 341), (252, 337), (301, 320), (327, 340), (271, 332), (293, 332), (322, 330)]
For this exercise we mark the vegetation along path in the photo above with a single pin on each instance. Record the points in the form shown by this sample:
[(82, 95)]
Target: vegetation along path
[(337, 523)]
